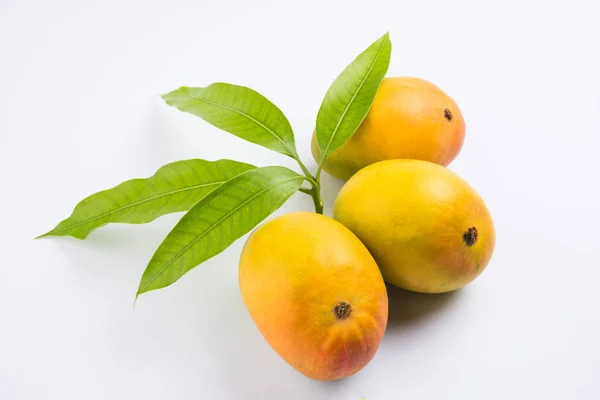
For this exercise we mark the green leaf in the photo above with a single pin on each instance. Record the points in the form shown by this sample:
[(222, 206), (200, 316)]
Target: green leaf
[(240, 111), (175, 187), (218, 220), (350, 96)]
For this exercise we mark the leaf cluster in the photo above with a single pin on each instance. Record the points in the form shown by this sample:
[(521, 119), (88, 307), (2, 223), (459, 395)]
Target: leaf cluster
[(225, 199)]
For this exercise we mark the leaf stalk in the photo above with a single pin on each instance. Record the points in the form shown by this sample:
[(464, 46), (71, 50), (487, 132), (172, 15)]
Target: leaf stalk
[(315, 191)]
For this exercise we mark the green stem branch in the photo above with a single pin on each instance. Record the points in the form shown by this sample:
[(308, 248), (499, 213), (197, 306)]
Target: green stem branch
[(316, 196), (318, 174), (315, 191), (303, 167)]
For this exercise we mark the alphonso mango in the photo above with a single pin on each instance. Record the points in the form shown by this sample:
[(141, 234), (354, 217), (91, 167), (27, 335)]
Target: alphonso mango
[(428, 230), (410, 118), (315, 294)]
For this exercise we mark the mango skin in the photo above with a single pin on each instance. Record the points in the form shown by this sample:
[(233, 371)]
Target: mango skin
[(410, 118), (293, 272), (428, 230)]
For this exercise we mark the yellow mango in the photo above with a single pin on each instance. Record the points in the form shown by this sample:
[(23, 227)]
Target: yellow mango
[(428, 230)]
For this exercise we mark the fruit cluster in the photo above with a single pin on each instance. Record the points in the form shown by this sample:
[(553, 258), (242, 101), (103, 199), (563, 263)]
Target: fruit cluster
[(314, 285)]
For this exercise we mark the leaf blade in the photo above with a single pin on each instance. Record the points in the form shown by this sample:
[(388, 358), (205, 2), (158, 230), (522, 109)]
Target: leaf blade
[(240, 111), (217, 221), (350, 96), (173, 188)]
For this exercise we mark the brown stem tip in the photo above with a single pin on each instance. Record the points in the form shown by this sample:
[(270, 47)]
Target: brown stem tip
[(470, 236), (447, 114), (342, 310)]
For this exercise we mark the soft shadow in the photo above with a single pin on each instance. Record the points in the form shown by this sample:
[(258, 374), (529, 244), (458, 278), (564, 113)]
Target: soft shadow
[(330, 187), (335, 385), (406, 308)]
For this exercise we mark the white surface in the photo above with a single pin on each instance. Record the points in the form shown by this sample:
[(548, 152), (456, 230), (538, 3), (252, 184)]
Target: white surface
[(80, 112)]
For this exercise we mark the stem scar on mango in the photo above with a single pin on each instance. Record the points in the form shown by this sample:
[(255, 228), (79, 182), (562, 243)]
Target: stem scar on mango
[(342, 310), (447, 114), (470, 236)]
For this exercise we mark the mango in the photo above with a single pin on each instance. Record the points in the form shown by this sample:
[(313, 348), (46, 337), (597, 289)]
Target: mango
[(315, 294), (410, 118), (428, 230)]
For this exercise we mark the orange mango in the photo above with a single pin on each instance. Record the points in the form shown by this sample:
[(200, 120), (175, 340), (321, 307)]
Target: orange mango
[(410, 118), (315, 294)]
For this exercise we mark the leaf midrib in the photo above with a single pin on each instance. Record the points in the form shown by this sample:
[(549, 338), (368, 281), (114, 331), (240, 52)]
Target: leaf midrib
[(292, 151), (172, 260), (136, 204), (325, 153)]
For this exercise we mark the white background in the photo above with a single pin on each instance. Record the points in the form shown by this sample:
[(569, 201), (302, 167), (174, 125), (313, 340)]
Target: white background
[(80, 112)]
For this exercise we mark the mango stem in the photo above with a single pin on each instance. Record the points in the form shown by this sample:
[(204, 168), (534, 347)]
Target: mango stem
[(316, 196), (315, 191)]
